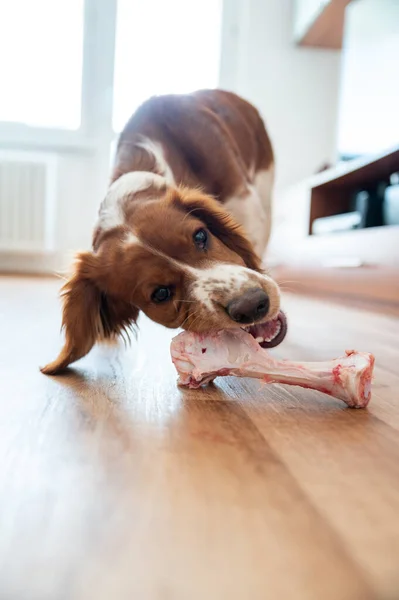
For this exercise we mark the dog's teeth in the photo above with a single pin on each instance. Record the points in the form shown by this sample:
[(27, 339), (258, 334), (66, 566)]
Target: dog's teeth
[(269, 338)]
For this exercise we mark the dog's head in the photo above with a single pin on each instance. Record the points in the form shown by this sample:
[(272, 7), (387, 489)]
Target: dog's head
[(173, 253)]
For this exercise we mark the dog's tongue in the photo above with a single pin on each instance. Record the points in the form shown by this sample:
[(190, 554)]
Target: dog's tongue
[(272, 333)]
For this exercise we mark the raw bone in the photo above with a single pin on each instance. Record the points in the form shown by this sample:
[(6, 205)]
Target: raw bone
[(200, 358)]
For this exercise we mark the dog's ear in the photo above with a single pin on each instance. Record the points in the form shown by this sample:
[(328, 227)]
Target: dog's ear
[(89, 314), (220, 223)]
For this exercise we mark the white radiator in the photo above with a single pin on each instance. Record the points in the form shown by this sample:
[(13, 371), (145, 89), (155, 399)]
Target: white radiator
[(27, 201)]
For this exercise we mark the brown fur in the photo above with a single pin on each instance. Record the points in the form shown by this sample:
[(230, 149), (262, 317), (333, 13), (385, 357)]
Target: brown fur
[(88, 313), (107, 289), (221, 224), (111, 284), (212, 139)]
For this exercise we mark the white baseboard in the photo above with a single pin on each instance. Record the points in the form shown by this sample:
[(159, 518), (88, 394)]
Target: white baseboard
[(35, 263)]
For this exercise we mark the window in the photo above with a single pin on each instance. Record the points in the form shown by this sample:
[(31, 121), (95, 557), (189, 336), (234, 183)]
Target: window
[(41, 56), (164, 46), (368, 121)]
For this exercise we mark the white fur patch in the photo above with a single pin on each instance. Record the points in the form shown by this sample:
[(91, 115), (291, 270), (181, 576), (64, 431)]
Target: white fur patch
[(253, 209), (132, 240), (264, 184), (235, 278), (155, 148), (264, 181), (131, 183), (111, 210)]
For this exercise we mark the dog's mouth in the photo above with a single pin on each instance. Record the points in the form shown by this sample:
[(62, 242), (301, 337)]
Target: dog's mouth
[(271, 333)]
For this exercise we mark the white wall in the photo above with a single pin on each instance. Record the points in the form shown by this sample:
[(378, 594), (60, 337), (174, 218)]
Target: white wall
[(368, 120), (296, 89)]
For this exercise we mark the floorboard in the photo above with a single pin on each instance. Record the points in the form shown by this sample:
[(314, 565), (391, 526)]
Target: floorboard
[(116, 484)]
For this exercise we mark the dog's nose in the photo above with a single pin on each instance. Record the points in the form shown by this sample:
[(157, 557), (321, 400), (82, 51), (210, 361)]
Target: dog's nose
[(251, 307)]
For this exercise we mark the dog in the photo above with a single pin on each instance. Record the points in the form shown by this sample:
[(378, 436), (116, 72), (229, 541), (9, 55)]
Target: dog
[(182, 229)]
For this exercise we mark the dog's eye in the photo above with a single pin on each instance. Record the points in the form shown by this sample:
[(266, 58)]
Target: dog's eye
[(161, 294), (200, 238)]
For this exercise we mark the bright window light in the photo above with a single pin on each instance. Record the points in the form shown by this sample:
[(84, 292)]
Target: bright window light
[(41, 56), (164, 46), (369, 121)]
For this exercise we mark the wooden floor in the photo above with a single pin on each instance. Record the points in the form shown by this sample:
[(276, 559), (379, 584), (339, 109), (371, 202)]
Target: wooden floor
[(114, 484)]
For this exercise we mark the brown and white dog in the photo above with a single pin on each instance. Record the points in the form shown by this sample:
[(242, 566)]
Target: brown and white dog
[(182, 228)]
